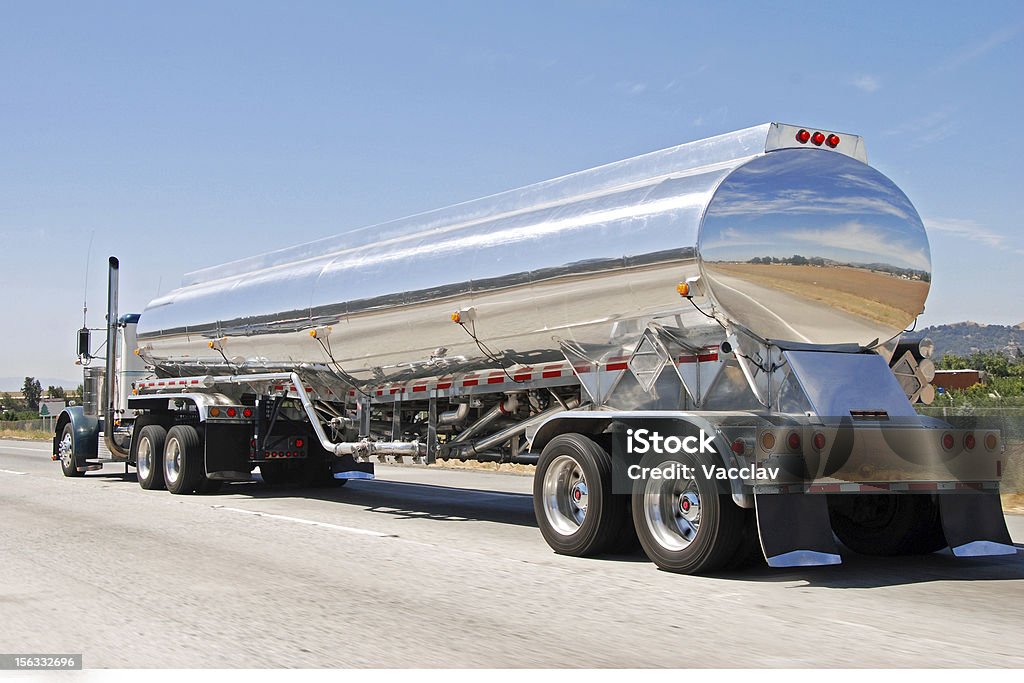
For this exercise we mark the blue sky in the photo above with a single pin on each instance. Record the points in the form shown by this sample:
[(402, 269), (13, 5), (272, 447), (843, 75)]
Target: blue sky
[(186, 134)]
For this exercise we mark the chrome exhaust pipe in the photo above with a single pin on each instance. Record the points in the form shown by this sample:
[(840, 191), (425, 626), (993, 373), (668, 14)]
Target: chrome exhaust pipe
[(110, 383)]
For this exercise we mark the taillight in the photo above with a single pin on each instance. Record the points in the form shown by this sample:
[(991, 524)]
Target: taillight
[(232, 412), (818, 138), (793, 441), (247, 412), (738, 447), (948, 441), (819, 441), (299, 443), (970, 442), (803, 136), (832, 141)]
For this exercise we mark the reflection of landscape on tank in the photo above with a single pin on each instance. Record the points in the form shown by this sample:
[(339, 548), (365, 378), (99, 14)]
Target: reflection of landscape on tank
[(831, 246)]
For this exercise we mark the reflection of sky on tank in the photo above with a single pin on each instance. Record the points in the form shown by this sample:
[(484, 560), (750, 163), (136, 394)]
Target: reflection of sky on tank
[(831, 207), (637, 221)]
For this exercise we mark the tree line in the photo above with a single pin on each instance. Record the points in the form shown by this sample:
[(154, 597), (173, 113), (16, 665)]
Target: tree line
[(27, 407)]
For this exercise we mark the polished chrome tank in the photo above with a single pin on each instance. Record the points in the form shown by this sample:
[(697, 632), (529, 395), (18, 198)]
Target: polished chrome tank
[(794, 242)]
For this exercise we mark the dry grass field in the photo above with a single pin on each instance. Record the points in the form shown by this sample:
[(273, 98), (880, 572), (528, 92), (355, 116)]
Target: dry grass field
[(864, 293), (25, 435)]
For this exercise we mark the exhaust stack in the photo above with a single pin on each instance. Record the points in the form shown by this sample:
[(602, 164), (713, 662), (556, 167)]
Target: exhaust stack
[(110, 385)]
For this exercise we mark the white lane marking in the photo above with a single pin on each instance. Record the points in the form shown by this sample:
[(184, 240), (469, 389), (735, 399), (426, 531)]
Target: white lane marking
[(20, 448), (767, 310), (12, 472), (309, 522)]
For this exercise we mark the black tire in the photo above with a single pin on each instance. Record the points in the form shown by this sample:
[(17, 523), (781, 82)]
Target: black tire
[(70, 461), (183, 460), (276, 473), (602, 523), (887, 524), (712, 542), (316, 472), (150, 444), (627, 542)]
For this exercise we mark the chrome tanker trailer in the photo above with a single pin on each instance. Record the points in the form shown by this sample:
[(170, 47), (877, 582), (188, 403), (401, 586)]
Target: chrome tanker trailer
[(693, 347)]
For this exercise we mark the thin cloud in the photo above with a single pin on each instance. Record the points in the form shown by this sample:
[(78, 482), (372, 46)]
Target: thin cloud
[(867, 83), (632, 87), (928, 129), (967, 228), (972, 51)]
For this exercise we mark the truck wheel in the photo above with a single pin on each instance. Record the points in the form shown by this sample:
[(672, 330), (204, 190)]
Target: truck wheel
[(572, 497), (315, 472), (149, 456), (887, 524), (686, 525), (69, 460), (183, 459), (275, 473)]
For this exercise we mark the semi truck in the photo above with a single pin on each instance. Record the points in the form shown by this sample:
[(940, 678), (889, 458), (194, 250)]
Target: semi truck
[(699, 349)]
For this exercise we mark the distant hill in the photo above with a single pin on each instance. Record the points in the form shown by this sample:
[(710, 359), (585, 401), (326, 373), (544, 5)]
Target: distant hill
[(16, 383), (963, 339)]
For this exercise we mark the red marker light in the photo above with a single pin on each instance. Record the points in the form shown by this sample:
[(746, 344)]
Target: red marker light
[(818, 138), (803, 136), (794, 441), (299, 443), (832, 141)]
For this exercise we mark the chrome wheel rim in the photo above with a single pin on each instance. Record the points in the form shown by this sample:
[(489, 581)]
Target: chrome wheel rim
[(66, 451), (144, 459), (172, 461), (566, 495), (672, 510)]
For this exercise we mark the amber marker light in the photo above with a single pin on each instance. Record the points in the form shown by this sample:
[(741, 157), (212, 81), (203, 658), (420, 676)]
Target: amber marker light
[(683, 288)]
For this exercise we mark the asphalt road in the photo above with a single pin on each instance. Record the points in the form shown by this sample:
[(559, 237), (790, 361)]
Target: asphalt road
[(425, 568)]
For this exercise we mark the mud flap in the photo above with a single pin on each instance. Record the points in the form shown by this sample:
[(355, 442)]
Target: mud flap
[(795, 531), (974, 524)]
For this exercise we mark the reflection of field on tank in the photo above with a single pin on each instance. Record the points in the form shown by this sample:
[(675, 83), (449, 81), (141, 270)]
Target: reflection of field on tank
[(864, 293), (1013, 477)]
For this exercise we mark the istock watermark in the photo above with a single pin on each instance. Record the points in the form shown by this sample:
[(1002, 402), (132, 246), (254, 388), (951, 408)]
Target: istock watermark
[(649, 443), (643, 441), (678, 470)]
